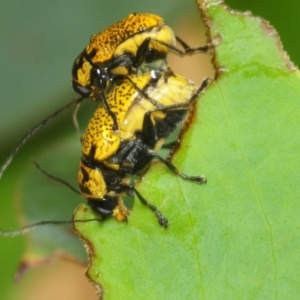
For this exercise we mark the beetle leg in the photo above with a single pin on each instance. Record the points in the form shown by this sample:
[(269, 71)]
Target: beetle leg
[(187, 50), (142, 53), (162, 220), (191, 50), (197, 179)]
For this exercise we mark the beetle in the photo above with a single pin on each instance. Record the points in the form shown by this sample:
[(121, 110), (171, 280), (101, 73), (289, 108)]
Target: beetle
[(130, 54), (135, 45), (148, 107), (110, 158)]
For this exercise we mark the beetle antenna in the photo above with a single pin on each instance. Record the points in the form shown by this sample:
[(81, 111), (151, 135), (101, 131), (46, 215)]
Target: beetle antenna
[(75, 120), (32, 131), (28, 228), (55, 178)]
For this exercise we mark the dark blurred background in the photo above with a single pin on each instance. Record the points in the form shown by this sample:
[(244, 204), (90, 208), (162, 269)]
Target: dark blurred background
[(39, 42)]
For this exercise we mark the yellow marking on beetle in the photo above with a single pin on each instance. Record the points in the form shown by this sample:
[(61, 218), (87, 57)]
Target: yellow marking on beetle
[(130, 108), (127, 34)]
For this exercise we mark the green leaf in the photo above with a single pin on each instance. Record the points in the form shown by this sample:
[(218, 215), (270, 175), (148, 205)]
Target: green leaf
[(238, 236)]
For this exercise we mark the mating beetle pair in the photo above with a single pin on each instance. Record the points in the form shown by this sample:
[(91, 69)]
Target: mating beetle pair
[(124, 67), (110, 157), (141, 102)]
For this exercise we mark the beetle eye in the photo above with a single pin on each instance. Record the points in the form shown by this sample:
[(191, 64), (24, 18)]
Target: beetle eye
[(81, 90), (99, 78)]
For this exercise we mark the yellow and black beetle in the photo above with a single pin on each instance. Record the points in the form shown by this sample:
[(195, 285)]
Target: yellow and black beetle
[(111, 157), (134, 45), (126, 63)]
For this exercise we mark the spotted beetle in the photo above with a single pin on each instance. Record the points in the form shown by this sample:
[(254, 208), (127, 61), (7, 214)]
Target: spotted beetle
[(148, 108), (134, 45), (142, 102)]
